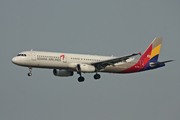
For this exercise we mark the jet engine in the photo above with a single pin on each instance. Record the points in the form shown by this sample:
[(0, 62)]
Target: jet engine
[(85, 68), (62, 73)]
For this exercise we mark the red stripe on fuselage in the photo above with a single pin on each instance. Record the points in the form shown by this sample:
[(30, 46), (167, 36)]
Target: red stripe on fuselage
[(141, 63), (134, 68)]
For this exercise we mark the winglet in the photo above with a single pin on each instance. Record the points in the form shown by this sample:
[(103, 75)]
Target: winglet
[(139, 53)]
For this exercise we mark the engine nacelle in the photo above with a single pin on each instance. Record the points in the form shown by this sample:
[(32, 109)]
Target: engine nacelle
[(63, 73), (86, 68)]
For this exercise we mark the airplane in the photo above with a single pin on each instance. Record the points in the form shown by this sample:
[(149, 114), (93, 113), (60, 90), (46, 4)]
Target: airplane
[(65, 64)]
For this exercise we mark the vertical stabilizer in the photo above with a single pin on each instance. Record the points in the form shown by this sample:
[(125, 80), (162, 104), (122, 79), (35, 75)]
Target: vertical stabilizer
[(152, 52)]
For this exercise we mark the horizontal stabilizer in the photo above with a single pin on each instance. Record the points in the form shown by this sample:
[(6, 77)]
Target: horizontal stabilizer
[(155, 64)]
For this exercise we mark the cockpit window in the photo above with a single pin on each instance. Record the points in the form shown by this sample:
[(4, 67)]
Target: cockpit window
[(21, 55)]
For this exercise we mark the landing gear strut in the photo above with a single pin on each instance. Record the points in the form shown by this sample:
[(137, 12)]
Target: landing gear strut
[(30, 71), (97, 76), (80, 79)]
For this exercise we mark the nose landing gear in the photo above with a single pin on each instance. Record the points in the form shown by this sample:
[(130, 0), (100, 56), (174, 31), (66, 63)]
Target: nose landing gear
[(30, 71)]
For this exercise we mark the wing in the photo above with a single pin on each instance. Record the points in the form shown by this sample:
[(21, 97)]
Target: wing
[(102, 64)]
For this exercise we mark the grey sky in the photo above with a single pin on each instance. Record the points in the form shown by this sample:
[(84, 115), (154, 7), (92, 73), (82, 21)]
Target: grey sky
[(101, 27)]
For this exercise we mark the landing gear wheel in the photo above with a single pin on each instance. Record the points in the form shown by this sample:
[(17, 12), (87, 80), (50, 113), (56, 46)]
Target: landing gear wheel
[(97, 76), (81, 79), (29, 74), (30, 70)]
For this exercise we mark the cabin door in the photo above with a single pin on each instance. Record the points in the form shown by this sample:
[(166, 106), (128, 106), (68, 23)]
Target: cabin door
[(33, 56)]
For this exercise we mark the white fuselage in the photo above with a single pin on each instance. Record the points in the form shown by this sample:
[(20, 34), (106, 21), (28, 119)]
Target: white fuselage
[(52, 60), (64, 64)]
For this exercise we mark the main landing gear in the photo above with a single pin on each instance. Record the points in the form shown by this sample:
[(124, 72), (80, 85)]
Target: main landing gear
[(81, 79), (30, 71), (97, 76)]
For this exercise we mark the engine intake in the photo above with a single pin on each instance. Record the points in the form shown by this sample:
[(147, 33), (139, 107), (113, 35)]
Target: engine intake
[(62, 73)]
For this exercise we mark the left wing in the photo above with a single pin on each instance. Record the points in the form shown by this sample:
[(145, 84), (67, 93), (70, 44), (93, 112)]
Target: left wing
[(102, 64)]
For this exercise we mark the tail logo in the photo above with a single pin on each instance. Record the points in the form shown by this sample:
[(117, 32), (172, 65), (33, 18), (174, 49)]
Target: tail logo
[(148, 56)]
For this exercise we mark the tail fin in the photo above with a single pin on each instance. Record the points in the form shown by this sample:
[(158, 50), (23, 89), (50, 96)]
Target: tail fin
[(152, 52)]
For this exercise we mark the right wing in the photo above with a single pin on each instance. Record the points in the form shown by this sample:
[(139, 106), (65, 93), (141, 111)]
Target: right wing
[(102, 64)]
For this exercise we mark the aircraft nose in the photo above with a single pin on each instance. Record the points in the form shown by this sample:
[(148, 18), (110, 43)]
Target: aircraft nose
[(14, 60)]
